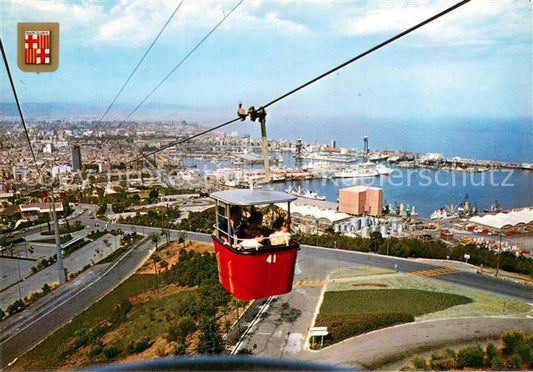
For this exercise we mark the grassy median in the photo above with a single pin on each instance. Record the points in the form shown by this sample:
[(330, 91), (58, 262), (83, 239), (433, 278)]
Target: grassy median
[(360, 300)]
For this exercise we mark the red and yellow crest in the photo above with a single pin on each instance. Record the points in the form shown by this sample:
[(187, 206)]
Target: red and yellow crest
[(38, 46)]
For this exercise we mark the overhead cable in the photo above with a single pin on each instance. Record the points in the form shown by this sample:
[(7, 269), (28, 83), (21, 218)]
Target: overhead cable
[(139, 63), (182, 61), (350, 61), (18, 106)]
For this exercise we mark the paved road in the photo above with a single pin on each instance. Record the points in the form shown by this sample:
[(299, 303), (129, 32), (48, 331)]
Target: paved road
[(367, 349), (20, 334), (73, 263), (467, 278), (282, 337)]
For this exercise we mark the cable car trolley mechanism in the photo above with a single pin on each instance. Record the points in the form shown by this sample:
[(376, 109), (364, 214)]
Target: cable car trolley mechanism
[(254, 259)]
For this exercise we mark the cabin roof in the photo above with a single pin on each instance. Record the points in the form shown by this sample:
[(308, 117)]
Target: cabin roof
[(252, 197)]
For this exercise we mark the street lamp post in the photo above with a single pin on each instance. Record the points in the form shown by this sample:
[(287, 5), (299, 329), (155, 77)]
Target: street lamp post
[(498, 257), (20, 279), (60, 271)]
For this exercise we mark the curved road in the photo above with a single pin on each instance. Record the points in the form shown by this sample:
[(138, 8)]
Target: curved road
[(21, 333), (279, 336), (487, 283)]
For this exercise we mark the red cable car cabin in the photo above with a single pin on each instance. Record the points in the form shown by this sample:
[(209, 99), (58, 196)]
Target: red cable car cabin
[(253, 271)]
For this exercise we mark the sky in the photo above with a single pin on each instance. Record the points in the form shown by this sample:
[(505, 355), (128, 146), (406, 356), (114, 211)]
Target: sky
[(474, 63)]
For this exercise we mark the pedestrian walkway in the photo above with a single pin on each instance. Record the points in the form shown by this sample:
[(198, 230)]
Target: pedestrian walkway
[(361, 351)]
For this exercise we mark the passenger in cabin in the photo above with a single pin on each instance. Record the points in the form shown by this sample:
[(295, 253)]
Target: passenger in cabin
[(235, 226), (281, 234), (253, 226), (253, 232)]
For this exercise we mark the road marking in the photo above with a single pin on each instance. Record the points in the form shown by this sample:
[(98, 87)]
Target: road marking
[(308, 283), (294, 343), (254, 322), (437, 271), (74, 294)]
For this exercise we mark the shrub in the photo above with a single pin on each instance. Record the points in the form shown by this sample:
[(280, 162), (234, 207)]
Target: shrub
[(180, 349), (111, 352), (345, 326), (210, 340), (526, 352), (15, 307), (443, 362), (97, 350), (514, 362), (181, 329), (492, 353), (511, 340), (419, 364), (46, 288), (142, 345), (470, 356), (497, 364), (2, 314)]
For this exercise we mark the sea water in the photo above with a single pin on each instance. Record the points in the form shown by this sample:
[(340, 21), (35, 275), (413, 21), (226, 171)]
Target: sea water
[(426, 189)]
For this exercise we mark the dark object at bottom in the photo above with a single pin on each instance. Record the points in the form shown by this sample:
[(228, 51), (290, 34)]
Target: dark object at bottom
[(219, 363)]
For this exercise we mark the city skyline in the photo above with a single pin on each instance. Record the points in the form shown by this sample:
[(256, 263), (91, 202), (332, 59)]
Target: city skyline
[(472, 63)]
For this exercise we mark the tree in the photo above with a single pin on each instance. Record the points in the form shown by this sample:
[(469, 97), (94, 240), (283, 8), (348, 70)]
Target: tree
[(153, 195), (210, 339), (166, 234), (376, 240), (492, 353), (181, 238), (155, 239)]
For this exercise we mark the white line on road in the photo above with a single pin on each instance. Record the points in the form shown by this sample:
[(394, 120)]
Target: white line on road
[(252, 324), (70, 298)]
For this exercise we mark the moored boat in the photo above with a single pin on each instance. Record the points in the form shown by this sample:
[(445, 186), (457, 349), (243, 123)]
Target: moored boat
[(304, 193)]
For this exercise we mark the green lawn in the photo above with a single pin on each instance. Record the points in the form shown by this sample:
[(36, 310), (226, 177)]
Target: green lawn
[(484, 303), (349, 313), (51, 353), (63, 239), (410, 301), (135, 317), (363, 299)]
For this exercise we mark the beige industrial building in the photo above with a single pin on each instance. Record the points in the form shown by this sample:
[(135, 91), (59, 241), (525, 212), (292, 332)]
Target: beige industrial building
[(313, 216), (361, 200)]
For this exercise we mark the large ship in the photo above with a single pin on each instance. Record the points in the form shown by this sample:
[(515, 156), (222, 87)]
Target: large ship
[(304, 193), (367, 169), (356, 173), (440, 214)]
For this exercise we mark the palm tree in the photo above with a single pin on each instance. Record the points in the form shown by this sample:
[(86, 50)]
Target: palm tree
[(155, 239), (166, 234)]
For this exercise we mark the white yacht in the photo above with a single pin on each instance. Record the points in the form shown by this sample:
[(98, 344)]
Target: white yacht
[(303, 193)]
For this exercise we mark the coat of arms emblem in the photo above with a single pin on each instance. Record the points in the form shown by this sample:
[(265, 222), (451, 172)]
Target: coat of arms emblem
[(38, 46)]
